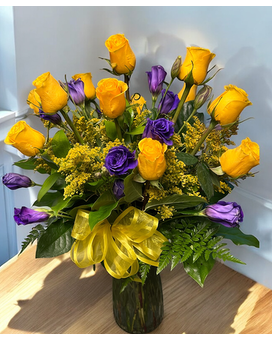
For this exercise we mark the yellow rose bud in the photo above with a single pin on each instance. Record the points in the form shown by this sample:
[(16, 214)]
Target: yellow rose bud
[(228, 106), (53, 96), (201, 59), (151, 159), (34, 101), (138, 101), (89, 88), (24, 138), (122, 57), (191, 95), (110, 93), (238, 161)]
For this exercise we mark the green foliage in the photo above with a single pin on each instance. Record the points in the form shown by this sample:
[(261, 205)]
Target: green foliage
[(56, 239), (196, 245), (185, 113), (143, 271), (60, 144), (237, 236), (205, 179), (101, 214), (178, 201), (34, 234), (48, 183)]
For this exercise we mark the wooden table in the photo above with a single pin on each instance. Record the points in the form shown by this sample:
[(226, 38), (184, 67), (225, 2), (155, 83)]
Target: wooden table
[(54, 296)]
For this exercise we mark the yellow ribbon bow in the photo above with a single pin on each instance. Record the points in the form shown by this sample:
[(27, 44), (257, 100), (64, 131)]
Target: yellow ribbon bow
[(132, 236)]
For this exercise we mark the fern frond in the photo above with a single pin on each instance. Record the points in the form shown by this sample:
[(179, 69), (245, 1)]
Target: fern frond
[(165, 257), (143, 270), (34, 234)]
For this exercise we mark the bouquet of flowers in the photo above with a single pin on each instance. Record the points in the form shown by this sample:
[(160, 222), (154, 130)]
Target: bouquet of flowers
[(132, 186)]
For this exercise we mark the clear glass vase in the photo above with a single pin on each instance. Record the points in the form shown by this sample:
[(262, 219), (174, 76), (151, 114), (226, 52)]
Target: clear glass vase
[(139, 308)]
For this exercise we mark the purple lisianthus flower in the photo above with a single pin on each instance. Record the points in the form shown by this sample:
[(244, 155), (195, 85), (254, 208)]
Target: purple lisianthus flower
[(76, 90), (15, 181), (227, 213), (118, 188), (26, 216), (169, 102), (54, 119), (160, 129), (119, 160), (155, 79)]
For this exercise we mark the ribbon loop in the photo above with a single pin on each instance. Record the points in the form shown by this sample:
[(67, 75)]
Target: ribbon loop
[(132, 237)]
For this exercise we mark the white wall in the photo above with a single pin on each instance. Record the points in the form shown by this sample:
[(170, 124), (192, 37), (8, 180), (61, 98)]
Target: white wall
[(69, 40)]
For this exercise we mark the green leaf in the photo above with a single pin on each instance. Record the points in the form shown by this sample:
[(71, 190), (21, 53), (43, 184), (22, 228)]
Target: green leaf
[(49, 162), (179, 201), (128, 115), (237, 236), (186, 158), (61, 204), (205, 179), (56, 240), (137, 131), (29, 164), (49, 199), (132, 190), (101, 214), (48, 183), (110, 129), (105, 199), (60, 144), (199, 269)]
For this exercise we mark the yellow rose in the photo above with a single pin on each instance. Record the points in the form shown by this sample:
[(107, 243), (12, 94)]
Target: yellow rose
[(53, 96), (110, 93), (201, 59), (151, 159), (89, 88), (122, 57), (34, 101), (24, 138), (229, 105), (191, 95), (138, 101), (238, 161)]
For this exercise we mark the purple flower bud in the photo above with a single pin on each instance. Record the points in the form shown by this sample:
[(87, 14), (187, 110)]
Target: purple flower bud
[(54, 119), (155, 80), (26, 216), (227, 213), (16, 181), (169, 102), (76, 90), (202, 96), (160, 129), (119, 160), (118, 188), (176, 67)]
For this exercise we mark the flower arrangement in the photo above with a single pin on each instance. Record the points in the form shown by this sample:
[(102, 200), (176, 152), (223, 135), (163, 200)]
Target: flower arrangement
[(130, 186)]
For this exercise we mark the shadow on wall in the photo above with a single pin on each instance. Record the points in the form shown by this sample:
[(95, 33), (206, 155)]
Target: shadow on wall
[(244, 70), (159, 49)]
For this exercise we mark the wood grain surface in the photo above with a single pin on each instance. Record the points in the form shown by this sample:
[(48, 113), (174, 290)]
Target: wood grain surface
[(54, 296)]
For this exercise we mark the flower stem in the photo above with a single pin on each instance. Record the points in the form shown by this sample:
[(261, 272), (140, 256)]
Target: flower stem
[(204, 136), (182, 101), (127, 82), (70, 123), (187, 120), (118, 129)]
